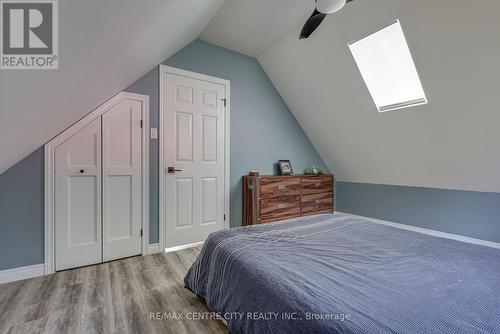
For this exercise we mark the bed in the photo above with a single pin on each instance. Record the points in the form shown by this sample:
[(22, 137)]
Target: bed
[(344, 274)]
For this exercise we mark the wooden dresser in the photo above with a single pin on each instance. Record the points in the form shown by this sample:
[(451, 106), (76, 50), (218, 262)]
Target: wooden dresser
[(271, 198)]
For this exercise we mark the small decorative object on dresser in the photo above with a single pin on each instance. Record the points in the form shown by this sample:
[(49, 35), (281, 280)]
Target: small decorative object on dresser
[(285, 167), (271, 198), (314, 170)]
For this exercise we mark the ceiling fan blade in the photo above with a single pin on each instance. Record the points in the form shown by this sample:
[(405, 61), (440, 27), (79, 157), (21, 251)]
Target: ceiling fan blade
[(311, 24)]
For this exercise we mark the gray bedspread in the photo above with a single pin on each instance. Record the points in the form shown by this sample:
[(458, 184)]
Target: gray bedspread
[(343, 274)]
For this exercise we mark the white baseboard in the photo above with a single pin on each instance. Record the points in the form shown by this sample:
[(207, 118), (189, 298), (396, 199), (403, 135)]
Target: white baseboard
[(154, 248), (178, 248), (20, 273), (16, 274), (428, 231)]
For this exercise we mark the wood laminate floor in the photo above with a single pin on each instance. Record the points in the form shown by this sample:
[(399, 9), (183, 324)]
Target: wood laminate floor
[(113, 297)]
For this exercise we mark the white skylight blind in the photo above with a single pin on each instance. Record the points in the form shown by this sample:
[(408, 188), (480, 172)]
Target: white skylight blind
[(387, 67)]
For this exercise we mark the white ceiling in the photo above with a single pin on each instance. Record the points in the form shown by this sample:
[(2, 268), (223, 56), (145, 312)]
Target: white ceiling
[(253, 26), (104, 47), (453, 142)]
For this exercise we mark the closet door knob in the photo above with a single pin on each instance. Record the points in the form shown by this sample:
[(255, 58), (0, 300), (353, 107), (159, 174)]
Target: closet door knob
[(82, 171)]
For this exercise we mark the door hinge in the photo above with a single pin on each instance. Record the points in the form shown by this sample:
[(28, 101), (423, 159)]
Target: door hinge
[(141, 232), (224, 217), (141, 123), (225, 101)]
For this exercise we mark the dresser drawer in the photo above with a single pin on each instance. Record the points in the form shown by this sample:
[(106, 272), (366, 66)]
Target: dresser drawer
[(312, 213), (279, 186), (317, 202), (317, 184), (279, 208)]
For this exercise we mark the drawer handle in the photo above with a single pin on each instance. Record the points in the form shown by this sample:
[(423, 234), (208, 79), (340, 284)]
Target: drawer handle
[(317, 184), (317, 201), (282, 187), (281, 205)]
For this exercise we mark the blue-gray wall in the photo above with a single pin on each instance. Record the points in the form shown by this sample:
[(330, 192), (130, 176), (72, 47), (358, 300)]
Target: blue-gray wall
[(21, 213), (469, 213), (262, 132)]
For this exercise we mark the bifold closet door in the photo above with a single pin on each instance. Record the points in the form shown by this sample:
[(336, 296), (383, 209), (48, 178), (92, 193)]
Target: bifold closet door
[(77, 206), (122, 193)]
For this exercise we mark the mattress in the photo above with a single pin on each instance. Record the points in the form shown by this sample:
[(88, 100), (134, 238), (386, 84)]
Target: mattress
[(344, 274)]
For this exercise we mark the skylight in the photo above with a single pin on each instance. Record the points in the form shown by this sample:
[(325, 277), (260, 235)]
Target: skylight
[(387, 67)]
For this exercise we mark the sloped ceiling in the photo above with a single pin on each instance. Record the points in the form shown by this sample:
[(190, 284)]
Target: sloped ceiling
[(104, 47), (450, 143), (253, 26), (453, 142)]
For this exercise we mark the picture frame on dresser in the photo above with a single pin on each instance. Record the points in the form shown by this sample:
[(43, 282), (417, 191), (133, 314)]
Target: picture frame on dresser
[(285, 167)]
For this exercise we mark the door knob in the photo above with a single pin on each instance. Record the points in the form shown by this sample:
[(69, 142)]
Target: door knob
[(171, 170), (82, 171)]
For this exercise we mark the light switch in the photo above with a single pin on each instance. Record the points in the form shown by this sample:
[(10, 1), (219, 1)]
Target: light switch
[(154, 133)]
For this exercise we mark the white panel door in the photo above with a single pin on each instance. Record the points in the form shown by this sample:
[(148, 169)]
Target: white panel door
[(122, 194), (77, 205), (194, 121)]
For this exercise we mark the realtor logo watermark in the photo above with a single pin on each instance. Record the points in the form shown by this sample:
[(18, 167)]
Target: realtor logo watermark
[(29, 34)]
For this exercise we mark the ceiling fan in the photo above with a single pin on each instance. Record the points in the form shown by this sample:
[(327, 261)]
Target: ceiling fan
[(323, 7)]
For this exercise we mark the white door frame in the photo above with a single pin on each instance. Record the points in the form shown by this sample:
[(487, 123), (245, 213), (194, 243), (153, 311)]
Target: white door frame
[(164, 70), (50, 165)]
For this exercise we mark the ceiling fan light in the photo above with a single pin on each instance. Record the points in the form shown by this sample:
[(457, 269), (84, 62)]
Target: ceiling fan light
[(329, 6)]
